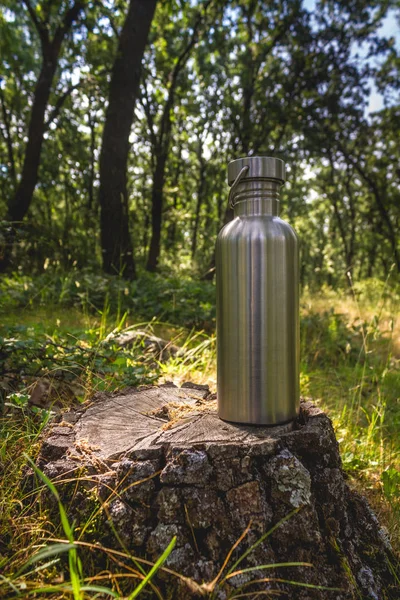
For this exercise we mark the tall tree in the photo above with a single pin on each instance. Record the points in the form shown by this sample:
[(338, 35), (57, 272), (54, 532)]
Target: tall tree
[(261, 77), (160, 126), (380, 173), (285, 73), (124, 85), (43, 19)]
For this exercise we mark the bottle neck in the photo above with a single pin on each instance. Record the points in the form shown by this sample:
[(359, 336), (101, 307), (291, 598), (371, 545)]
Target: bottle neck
[(257, 197)]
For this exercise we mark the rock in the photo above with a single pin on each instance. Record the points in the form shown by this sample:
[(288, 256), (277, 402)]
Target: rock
[(164, 465), (52, 393), (162, 349)]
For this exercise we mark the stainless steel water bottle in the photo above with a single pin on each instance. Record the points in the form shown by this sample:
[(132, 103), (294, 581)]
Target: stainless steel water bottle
[(257, 300)]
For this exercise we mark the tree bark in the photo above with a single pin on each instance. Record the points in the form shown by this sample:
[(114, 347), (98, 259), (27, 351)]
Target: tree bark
[(159, 463), (352, 217), (334, 196), (113, 197)]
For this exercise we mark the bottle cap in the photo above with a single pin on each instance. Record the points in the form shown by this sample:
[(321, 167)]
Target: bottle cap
[(261, 167)]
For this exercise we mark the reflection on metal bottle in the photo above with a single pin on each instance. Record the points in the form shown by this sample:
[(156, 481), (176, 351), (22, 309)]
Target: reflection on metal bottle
[(257, 300)]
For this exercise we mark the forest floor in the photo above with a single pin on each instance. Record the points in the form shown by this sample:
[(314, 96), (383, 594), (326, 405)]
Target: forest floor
[(63, 337)]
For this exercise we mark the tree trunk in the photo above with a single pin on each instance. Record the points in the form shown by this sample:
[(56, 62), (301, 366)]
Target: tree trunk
[(352, 216), (200, 194), (92, 160), (156, 211), (171, 232), (158, 463), (247, 79), (228, 216), (115, 236), (330, 188), (19, 204), (161, 142), (379, 196)]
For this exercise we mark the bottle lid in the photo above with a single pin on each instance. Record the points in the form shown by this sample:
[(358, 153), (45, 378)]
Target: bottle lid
[(261, 167)]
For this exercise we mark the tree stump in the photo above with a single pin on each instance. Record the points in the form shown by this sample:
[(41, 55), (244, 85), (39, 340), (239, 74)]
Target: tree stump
[(164, 465)]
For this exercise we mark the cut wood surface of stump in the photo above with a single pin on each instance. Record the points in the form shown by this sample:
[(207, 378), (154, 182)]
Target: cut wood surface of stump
[(163, 464)]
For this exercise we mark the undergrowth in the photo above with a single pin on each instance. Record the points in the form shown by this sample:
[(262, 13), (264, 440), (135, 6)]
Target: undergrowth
[(176, 300), (63, 331)]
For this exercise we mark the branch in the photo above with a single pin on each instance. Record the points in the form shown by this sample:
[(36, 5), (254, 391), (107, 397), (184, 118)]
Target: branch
[(284, 124), (373, 186), (268, 48), (182, 59), (149, 115), (179, 65), (336, 210), (57, 108), (237, 127), (108, 13), (70, 16), (40, 26), (46, 6)]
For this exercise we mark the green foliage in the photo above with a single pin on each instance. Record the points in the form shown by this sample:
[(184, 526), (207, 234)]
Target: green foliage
[(326, 339), (359, 387), (270, 78), (391, 487), (76, 586), (81, 359), (350, 360), (261, 77), (75, 563), (176, 300), (374, 291)]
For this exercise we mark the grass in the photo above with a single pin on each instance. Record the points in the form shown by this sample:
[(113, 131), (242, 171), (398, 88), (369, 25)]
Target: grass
[(352, 368), (350, 365)]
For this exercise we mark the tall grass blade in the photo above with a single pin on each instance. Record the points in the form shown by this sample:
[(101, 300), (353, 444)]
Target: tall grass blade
[(7, 581), (154, 569), (44, 553), (65, 588), (75, 565), (270, 566), (261, 539)]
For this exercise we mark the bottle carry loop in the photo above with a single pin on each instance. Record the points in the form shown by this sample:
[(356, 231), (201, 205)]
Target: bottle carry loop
[(238, 179)]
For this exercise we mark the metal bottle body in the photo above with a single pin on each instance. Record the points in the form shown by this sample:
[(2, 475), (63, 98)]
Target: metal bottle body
[(257, 310)]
